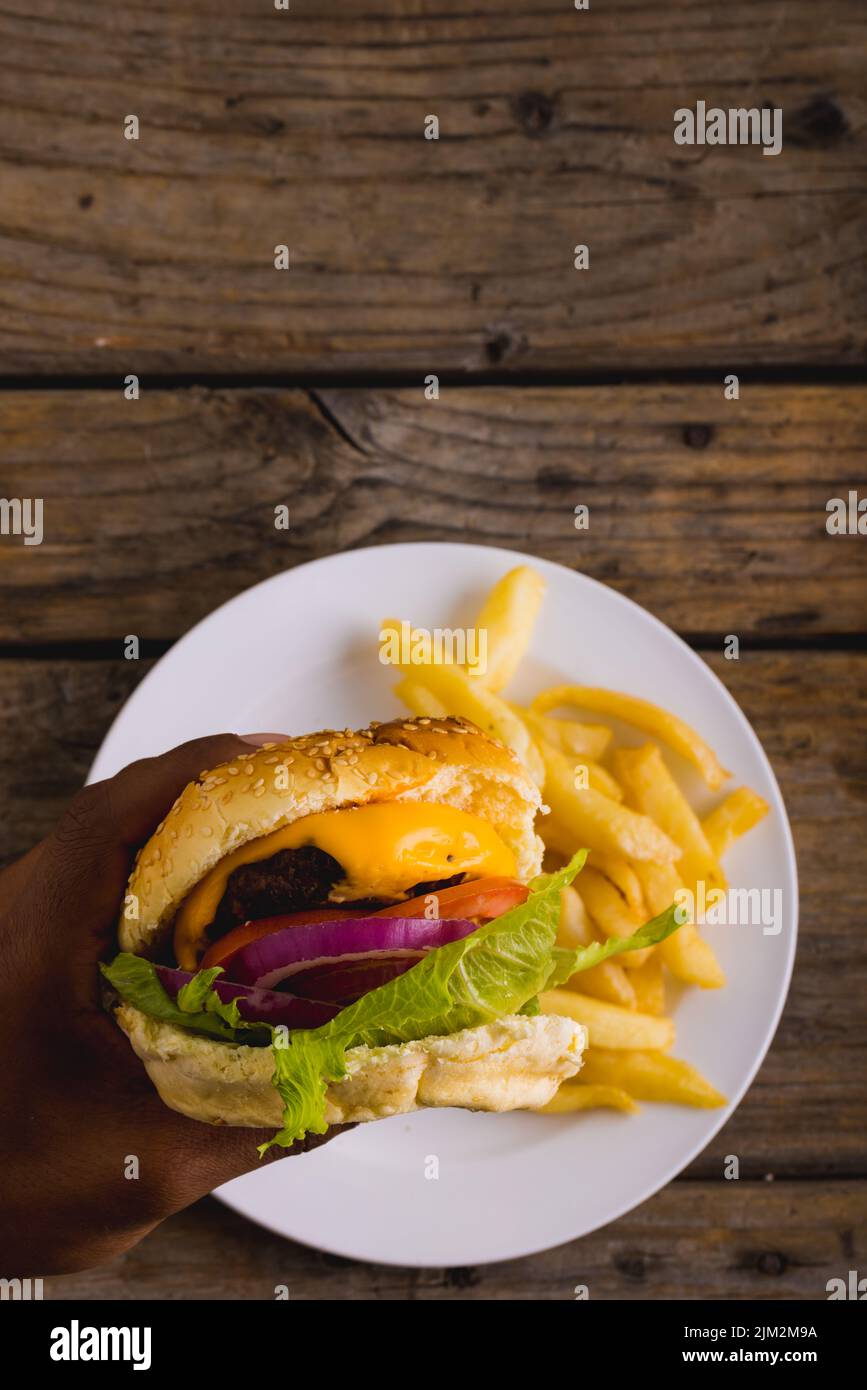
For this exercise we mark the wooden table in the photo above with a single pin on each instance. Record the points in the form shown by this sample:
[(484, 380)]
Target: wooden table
[(305, 387)]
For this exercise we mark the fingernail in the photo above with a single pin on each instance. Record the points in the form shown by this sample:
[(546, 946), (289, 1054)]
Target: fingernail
[(263, 738)]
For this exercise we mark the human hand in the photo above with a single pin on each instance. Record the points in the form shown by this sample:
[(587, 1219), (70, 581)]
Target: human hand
[(75, 1102)]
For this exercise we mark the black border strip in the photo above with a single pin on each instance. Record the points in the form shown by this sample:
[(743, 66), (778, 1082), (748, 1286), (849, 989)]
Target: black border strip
[(111, 648), (752, 373)]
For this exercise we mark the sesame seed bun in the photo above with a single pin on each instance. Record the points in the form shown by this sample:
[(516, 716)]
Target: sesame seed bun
[(448, 761)]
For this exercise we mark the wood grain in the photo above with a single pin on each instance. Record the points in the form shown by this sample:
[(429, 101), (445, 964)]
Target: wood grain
[(728, 1240), (806, 1114), (305, 128), (709, 512)]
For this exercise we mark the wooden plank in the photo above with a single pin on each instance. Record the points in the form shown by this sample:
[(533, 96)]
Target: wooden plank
[(306, 128), (806, 1114), (159, 509), (726, 1240)]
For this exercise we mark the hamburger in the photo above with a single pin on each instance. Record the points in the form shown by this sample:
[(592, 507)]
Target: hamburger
[(347, 926)]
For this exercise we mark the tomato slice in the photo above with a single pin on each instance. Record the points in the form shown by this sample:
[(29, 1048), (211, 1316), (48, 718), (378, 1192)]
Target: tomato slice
[(484, 898), (220, 951)]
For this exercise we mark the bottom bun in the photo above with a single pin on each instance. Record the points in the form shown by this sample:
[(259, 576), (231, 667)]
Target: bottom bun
[(516, 1063)]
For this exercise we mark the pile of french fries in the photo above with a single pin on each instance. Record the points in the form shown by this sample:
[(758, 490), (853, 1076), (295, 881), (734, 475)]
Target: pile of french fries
[(644, 839)]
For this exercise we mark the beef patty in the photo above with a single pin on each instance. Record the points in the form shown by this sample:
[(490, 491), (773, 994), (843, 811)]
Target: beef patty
[(292, 880)]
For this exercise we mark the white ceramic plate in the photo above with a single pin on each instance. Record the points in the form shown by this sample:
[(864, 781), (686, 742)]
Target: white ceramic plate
[(299, 652)]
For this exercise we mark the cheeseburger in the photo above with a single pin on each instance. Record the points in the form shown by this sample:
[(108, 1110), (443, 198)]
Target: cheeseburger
[(347, 926)]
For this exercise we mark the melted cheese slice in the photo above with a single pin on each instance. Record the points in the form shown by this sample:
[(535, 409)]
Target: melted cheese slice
[(384, 850)]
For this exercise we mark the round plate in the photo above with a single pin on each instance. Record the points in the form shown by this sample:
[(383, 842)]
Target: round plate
[(445, 1187)]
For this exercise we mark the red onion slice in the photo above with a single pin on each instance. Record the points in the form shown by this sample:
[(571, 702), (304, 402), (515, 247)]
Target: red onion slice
[(257, 1005), (344, 981), (283, 954)]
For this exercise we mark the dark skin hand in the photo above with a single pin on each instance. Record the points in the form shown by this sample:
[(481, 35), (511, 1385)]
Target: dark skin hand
[(75, 1101)]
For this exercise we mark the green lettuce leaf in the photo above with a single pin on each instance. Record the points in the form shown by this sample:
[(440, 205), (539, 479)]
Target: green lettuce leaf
[(567, 963), (197, 1006), (494, 971)]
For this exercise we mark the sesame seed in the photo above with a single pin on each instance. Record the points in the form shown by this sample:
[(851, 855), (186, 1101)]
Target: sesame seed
[(157, 855), (188, 832), (260, 782), (225, 798), (248, 768), (259, 791), (269, 761), (232, 771)]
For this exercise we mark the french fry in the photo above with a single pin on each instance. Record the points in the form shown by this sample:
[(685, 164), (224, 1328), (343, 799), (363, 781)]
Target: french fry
[(648, 1075), (596, 822), (693, 960), (740, 811), (651, 789), (584, 740), (608, 980), (574, 928), (420, 700), (421, 645), (463, 695), (508, 615), (556, 836), (643, 715), (611, 913), (608, 1025), (623, 876), (588, 773), (571, 1098), (600, 779), (686, 954), (648, 986)]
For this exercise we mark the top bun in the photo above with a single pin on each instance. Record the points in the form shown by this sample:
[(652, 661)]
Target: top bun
[(448, 761)]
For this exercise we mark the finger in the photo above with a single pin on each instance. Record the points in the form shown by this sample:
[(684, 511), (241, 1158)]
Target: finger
[(193, 1157), (83, 869), (237, 1152), (126, 808)]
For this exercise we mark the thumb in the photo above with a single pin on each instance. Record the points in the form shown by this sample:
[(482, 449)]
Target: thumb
[(82, 867)]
